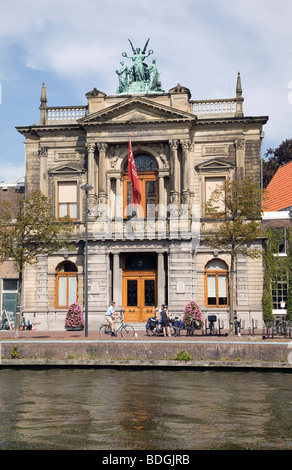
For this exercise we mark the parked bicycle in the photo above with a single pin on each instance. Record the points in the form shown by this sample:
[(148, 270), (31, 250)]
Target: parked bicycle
[(154, 328), (280, 327), (192, 327), (212, 319), (127, 331)]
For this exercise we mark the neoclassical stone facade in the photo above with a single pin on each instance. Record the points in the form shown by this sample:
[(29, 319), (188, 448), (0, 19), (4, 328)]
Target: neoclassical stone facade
[(183, 148)]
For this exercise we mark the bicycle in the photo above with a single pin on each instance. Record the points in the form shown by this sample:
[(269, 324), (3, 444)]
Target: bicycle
[(127, 331), (154, 328)]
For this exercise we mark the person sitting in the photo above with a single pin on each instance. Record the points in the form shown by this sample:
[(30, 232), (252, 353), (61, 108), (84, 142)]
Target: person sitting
[(112, 316)]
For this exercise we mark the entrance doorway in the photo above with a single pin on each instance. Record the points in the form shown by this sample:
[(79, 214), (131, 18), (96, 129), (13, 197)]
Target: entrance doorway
[(139, 286)]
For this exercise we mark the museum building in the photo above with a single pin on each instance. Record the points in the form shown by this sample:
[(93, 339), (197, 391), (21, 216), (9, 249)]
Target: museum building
[(140, 257)]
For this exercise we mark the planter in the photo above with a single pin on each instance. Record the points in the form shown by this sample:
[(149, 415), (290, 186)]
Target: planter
[(74, 320), (74, 328)]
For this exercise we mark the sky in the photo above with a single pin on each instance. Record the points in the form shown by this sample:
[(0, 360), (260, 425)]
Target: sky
[(74, 46)]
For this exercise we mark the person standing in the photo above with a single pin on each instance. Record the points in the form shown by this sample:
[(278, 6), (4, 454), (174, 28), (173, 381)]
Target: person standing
[(165, 321)]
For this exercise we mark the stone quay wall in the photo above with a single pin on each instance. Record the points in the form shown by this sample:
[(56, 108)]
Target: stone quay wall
[(134, 353)]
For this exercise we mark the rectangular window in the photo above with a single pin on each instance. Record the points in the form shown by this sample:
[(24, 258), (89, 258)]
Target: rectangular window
[(279, 293), (212, 183), (217, 290), (222, 289), (67, 199), (9, 295), (281, 239), (67, 290), (211, 286)]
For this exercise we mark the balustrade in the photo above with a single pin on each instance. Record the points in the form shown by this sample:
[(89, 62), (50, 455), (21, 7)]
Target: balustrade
[(217, 107), (66, 113)]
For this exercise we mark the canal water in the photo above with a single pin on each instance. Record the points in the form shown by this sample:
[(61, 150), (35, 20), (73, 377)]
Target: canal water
[(125, 409)]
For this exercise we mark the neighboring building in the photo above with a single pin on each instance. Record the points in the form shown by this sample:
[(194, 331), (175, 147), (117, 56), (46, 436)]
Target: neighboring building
[(278, 215), (183, 148), (10, 191)]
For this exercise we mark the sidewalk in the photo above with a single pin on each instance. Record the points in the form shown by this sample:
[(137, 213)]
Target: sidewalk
[(141, 334)]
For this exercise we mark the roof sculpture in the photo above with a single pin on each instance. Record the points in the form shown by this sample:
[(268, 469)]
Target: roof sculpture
[(140, 78)]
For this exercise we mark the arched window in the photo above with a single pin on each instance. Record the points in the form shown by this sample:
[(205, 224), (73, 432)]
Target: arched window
[(66, 284), (216, 284), (147, 169)]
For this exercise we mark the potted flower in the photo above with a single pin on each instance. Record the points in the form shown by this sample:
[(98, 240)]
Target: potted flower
[(74, 317), (192, 312)]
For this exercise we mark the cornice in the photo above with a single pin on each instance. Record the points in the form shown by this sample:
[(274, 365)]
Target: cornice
[(233, 120)]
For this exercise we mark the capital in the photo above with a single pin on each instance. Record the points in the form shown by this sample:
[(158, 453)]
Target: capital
[(173, 143), (185, 144), (90, 147), (43, 152), (102, 146)]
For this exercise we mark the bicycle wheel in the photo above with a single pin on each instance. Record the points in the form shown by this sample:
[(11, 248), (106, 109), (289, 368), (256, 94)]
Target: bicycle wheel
[(150, 331), (105, 332), (173, 331), (127, 331)]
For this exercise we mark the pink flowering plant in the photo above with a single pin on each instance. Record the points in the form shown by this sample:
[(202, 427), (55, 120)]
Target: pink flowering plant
[(193, 312), (74, 316)]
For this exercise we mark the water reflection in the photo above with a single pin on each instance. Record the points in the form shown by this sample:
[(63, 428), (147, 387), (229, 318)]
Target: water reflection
[(114, 409)]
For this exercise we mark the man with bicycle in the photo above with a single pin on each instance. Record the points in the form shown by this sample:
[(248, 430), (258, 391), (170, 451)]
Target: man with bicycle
[(112, 316)]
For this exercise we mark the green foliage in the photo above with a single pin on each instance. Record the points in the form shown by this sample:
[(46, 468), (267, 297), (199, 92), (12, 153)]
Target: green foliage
[(14, 353), (238, 224), (271, 272), (182, 356), (31, 229), (276, 269), (289, 275), (236, 213), (275, 158)]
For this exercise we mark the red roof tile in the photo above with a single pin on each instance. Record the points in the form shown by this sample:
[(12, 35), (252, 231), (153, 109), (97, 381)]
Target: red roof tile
[(279, 190)]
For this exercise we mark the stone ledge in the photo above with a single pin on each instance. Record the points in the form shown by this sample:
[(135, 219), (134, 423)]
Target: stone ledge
[(146, 364)]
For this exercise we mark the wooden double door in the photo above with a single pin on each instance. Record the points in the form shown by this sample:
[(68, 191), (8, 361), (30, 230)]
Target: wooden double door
[(139, 295)]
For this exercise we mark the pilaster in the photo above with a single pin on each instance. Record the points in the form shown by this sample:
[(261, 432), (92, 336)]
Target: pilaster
[(43, 155), (102, 192)]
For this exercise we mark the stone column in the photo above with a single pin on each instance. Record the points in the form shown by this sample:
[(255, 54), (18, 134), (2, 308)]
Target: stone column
[(185, 171), (162, 202), (174, 171), (119, 198), (91, 178), (117, 281), (160, 280), (102, 192), (43, 155), (90, 165)]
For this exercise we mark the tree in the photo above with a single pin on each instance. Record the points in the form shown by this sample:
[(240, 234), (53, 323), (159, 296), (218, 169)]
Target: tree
[(28, 230), (275, 158), (236, 210)]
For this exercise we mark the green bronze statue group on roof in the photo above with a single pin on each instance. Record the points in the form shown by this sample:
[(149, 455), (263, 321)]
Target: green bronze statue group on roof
[(140, 78)]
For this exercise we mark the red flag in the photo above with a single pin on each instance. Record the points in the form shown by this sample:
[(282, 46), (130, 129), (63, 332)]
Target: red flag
[(133, 177)]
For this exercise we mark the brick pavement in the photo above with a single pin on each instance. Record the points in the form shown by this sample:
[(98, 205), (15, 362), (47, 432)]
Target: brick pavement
[(140, 331)]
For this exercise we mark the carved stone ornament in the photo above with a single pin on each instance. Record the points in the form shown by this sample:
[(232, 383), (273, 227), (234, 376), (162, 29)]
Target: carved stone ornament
[(43, 152)]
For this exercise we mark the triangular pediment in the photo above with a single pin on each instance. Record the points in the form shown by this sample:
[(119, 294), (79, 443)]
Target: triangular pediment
[(65, 170), (215, 164), (137, 110)]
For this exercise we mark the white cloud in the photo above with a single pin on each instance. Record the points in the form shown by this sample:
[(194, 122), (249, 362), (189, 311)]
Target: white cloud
[(199, 43), (11, 172)]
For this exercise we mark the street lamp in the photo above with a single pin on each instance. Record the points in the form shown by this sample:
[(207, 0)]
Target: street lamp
[(86, 187)]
